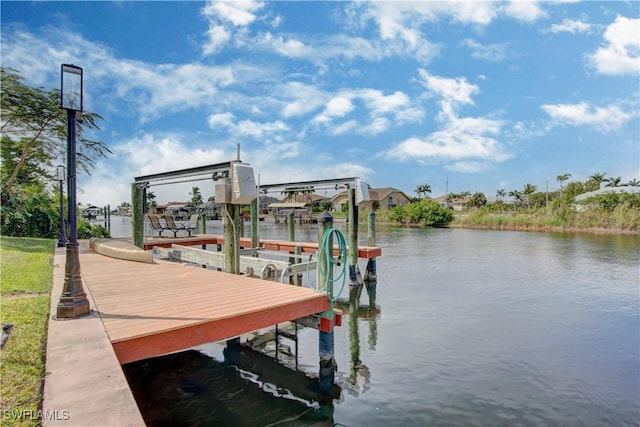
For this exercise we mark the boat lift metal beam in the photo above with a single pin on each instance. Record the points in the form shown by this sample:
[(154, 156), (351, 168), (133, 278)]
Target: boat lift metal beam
[(184, 173), (302, 184)]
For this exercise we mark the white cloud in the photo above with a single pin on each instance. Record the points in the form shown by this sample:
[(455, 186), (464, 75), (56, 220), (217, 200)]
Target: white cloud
[(218, 37), (111, 181), (570, 26), (377, 126), (605, 119), (338, 106), (620, 53), (300, 99), (348, 126), (524, 10), (225, 120), (453, 91), (149, 90), (259, 130), (380, 103), (467, 167), (461, 139), (469, 143), (225, 18), (238, 13), (492, 52), (291, 48), (246, 127)]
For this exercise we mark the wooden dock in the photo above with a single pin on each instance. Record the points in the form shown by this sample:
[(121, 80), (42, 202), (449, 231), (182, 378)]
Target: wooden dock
[(366, 252), (153, 309)]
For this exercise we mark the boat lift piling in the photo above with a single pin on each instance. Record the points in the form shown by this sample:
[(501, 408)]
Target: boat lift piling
[(326, 339), (355, 278)]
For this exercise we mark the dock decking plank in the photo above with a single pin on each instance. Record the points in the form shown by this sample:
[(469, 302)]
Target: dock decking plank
[(152, 309)]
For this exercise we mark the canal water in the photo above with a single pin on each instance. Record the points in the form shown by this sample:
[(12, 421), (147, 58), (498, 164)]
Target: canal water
[(466, 328)]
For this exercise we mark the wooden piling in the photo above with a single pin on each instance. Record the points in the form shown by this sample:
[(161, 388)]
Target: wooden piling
[(137, 216), (230, 238), (292, 238), (325, 339), (355, 279), (371, 274), (254, 223)]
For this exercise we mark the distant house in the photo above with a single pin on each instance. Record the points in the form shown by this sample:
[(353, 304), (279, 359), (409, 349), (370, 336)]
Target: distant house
[(179, 210), (210, 209), (457, 204), (384, 198), (311, 199), (91, 212), (579, 200)]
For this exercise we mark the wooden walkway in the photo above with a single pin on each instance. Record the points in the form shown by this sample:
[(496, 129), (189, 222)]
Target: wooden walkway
[(366, 252), (152, 309)]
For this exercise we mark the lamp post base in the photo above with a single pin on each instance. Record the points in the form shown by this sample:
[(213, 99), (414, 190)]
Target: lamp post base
[(73, 301), (72, 310)]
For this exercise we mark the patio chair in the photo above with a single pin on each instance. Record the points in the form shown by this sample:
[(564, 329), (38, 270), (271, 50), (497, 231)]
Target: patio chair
[(156, 225), (173, 226), (193, 224)]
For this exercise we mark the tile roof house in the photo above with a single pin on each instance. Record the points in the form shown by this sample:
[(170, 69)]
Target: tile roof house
[(383, 197)]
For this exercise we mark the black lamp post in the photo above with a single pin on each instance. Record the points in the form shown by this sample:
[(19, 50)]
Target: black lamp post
[(73, 301), (62, 241)]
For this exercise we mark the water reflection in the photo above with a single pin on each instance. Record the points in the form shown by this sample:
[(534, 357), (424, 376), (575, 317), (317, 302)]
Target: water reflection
[(479, 328), (246, 388), (358, 379)]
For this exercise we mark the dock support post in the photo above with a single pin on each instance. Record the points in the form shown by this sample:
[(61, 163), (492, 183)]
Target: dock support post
[(137, 214), (355, 279), (203, 230), (325, 339), (292, 237), (230, 238), (370, 274), (254, 223)]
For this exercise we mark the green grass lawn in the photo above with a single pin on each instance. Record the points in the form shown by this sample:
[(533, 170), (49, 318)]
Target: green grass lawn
[(27, 275)]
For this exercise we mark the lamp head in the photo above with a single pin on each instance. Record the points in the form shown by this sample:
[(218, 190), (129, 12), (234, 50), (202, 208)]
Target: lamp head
[(71, 87)]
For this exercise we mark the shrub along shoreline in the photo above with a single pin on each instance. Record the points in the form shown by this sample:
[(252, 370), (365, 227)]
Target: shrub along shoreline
[(621, 220)]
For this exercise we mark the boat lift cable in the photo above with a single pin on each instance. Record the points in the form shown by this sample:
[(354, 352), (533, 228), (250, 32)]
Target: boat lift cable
[(326, 249)]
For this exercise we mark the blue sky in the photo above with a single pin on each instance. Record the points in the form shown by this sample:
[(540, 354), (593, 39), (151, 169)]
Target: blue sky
[(489, 95)]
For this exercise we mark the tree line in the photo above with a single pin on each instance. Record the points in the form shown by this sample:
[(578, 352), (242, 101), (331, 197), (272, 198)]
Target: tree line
[(34, 141)]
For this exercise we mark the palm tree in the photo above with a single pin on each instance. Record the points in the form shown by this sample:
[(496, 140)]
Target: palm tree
[(517, 198), (500, 194), (613, 182), (598, 178), (563, 178), (151, 201), (423, 189), (196, 196), (528, 190), (633, 183)]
